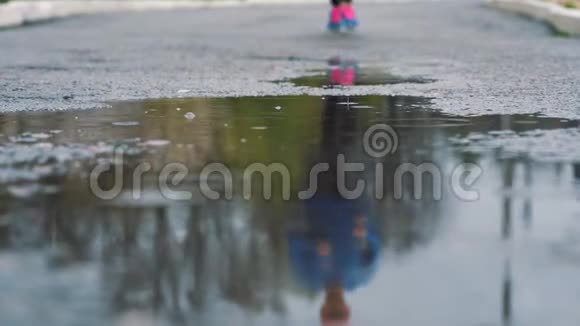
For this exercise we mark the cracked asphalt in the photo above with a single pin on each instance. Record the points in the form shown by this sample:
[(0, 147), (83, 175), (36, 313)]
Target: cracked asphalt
[(484, 61)]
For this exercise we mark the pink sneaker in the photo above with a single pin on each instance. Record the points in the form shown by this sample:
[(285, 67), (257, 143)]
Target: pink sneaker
[(336, 76), (343, 76), (335, 19), (348, 15), (348, 76)]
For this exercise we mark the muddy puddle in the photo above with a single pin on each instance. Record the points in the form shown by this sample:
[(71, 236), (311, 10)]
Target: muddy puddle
[(129, 250)]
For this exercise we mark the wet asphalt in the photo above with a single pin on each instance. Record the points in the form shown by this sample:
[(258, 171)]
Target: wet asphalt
[(477, 86), (484, 61)]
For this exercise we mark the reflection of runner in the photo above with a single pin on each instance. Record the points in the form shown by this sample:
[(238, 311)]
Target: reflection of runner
[(342, 15), (336, 251), (336, 245), (342, 73)]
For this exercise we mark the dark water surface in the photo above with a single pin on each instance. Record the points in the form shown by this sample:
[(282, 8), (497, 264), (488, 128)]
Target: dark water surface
[(70, 258), (343, 72), (364, 77)]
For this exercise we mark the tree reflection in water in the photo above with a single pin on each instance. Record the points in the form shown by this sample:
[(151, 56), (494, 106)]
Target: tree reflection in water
[(214, 262)]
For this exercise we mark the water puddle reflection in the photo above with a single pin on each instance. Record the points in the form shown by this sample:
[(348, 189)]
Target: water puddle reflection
[(68, 257), (341, 73)]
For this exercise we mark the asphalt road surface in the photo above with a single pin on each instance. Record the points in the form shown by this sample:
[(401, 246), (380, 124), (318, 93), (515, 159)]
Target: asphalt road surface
[(484, 61)]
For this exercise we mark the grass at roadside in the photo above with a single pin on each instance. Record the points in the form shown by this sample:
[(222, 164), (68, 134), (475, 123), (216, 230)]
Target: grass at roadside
[(3, 1), (570, 4)]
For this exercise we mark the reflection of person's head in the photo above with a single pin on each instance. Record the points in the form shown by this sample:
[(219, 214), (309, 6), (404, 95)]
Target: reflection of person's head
[(336, 252), (335, 310)]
